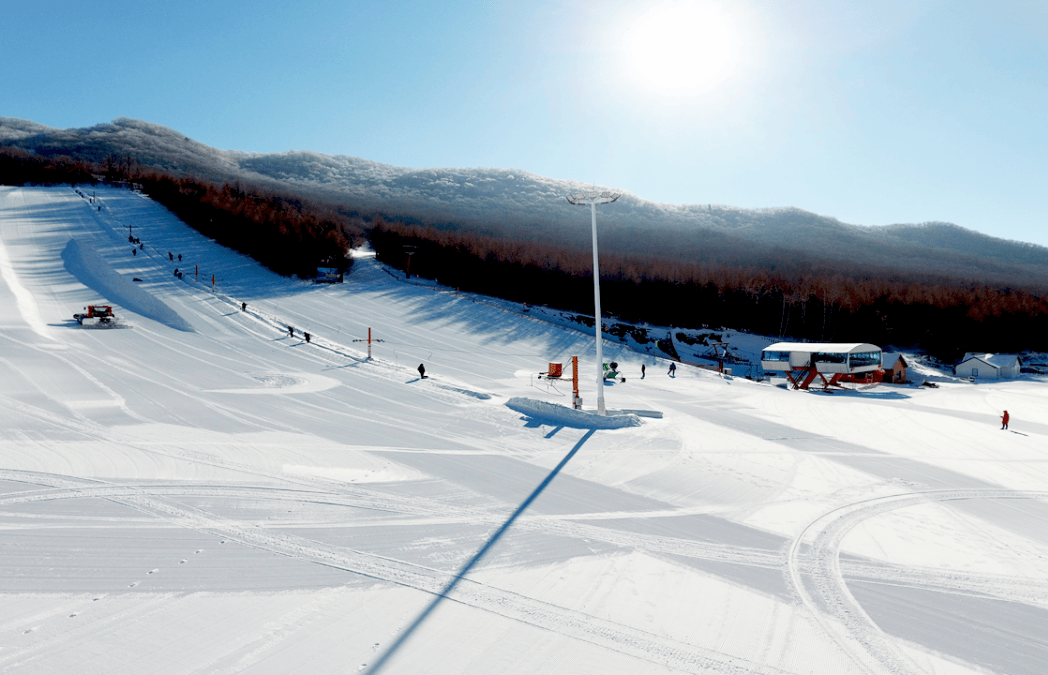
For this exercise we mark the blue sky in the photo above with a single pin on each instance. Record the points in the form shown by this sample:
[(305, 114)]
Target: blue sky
[(889, 113)]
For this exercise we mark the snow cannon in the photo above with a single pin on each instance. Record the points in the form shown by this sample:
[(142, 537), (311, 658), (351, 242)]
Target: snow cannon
[(555, 372)]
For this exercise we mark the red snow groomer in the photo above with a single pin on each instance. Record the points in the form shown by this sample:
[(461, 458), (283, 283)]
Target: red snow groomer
[(103, 313)]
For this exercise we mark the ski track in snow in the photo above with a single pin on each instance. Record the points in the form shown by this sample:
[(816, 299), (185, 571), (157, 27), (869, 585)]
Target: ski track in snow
[(815, 572), (620, 638)]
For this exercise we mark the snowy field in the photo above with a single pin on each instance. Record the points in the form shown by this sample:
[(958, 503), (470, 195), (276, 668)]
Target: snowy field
[(199, 492)]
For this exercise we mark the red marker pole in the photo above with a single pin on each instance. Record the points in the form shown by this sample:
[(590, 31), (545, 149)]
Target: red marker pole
[(576, 402), (369, 343)]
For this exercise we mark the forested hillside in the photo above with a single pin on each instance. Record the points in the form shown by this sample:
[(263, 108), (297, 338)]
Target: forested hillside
[(884, 306), (780, 272)]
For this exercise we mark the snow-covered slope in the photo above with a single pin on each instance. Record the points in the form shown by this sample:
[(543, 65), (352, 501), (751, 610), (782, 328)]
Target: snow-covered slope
[(220, 497)]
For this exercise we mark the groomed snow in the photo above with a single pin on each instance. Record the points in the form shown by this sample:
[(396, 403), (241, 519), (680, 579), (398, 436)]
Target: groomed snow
[(204, 493)]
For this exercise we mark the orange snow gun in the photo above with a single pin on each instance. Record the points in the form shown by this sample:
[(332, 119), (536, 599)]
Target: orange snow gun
[(555, 372)]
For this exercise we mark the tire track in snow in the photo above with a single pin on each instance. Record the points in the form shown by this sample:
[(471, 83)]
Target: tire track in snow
[(570, 623), (1013, 589), (424, 511), (815, 553), (563, 621), (65, 488), (860, 638)]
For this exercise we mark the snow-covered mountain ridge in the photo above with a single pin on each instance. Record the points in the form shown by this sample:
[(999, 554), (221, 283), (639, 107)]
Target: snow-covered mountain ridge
[(509, 201)]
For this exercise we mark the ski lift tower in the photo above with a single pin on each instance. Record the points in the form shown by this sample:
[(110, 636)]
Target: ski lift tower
[(594, 198)]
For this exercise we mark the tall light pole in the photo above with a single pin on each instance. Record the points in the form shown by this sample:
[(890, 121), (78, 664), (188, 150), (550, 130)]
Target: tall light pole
[(594, 198)]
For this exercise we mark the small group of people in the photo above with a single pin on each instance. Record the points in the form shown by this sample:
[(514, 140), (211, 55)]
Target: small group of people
[(290, 329), (643, 369)]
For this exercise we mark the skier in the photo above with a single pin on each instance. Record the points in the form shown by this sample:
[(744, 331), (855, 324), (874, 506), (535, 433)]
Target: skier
[(243, 307), (642, 371), (179, 257), (306, 336), (290, 331), (673, 370), (1004, 420), (421, 371)]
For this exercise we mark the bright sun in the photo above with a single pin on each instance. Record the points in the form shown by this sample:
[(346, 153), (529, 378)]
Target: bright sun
[(683, 48)]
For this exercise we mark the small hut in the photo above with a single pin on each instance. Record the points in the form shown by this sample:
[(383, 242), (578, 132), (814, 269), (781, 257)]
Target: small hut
[(895, 367), (982, 366)]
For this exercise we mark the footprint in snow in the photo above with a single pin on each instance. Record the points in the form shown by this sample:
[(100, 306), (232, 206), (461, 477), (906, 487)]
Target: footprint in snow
[(133, 584), (182, 561), (199, 550), (154, 571), (73, 615)]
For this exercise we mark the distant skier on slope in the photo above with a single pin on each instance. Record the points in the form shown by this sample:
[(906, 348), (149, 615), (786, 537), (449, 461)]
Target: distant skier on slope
[(642, 371), (421, 371), (1004, 420), (673, 370)]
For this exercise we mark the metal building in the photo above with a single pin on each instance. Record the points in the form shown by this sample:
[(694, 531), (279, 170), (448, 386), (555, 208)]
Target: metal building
[(803, 362)]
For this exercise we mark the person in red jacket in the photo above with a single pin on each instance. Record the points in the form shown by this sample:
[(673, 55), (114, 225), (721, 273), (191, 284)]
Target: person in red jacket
[(1004, 420)]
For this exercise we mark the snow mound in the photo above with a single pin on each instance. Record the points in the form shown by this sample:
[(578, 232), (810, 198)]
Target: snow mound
[(84, 263), (282, 383), (569, 417)]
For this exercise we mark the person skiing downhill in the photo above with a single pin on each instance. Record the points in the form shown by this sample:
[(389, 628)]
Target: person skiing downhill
[(1004, 420), (421, 371), (642, 371), (673, 370)]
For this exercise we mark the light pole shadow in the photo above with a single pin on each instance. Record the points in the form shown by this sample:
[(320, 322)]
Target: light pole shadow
[(460, 575)]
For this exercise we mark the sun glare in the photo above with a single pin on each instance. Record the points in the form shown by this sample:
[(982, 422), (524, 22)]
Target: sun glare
[(682, 48)]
